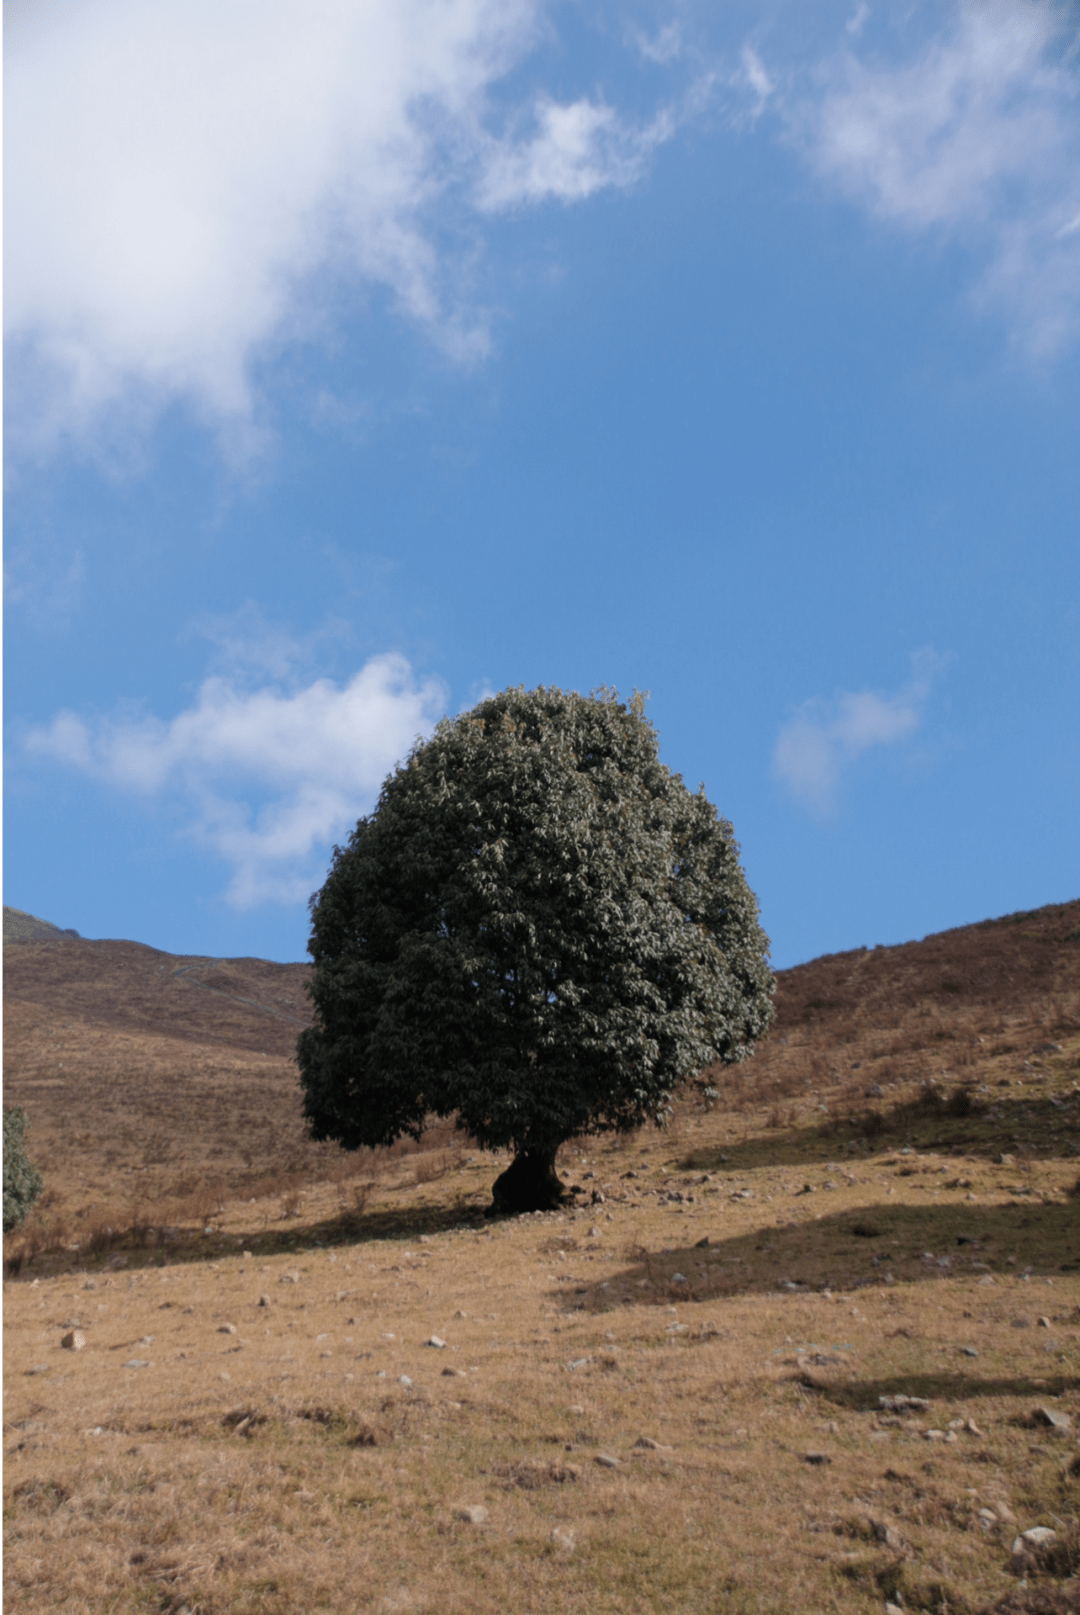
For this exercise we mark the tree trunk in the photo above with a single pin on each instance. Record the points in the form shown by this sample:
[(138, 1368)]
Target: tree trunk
[(528, 1184)]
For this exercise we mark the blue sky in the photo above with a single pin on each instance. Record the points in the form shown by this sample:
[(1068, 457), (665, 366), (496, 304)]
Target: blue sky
[(363, 359)]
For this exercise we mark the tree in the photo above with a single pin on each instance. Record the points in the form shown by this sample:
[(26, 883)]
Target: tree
[(22, 1180), (539, 931)]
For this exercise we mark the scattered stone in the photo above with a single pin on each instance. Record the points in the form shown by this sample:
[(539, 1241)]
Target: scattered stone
[(473, 1514), (289, 1278), (987, 1519), (1050, 1419), (1043, 1323), (1039, 1536), (564, 1540), (1007, 1160), (454, 1373), (74, 1340), (136, 1362), (968, 1351), (884, 1532), (893, 1609), (437, 1342), (904, 1404), (701, 1243), (972, 1428), (679, 1278), (39, 1368), (647, 1444), (227, 1329), (874, 1091), (816, 1458), (579, 1362), (606, 1461), (936, 1435), (264, 1300), (403, 1379)]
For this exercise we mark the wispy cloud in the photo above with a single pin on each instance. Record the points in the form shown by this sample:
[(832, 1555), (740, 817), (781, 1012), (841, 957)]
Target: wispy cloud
[(171, 218), (975, 138), (817, 746), (266, 779)]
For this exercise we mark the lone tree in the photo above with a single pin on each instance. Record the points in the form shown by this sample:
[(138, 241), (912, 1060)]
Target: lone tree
[(22, 1180), (539, 931)]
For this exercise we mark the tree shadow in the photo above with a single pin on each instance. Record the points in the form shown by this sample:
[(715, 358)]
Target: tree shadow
[(879, 1244), (347, 1229), (925, 1126)]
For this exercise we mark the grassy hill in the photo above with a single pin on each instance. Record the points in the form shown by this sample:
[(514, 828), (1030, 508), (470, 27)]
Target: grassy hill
[(814, 1350)]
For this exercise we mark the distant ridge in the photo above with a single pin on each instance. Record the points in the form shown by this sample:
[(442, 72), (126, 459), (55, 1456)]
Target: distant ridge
[(21, 927)]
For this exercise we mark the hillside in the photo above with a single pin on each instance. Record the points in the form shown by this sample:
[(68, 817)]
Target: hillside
[(150, 1077), (816, 1349)]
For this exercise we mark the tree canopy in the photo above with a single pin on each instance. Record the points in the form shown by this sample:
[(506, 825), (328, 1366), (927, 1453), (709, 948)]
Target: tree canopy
[(539, 930)]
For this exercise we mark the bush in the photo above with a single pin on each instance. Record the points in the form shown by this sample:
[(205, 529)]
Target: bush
[(22, 1180)]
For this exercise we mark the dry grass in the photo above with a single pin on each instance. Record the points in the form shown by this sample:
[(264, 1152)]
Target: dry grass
[(744, 1294)]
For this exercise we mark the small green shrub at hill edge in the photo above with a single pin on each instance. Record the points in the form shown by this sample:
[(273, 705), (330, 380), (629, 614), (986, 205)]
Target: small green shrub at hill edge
[(22, 1180)]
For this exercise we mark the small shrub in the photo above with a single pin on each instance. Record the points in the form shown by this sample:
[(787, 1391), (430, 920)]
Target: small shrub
[(22, 1180)]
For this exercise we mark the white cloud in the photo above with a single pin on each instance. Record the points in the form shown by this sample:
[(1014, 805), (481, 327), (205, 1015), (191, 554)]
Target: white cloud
[(267, 779), (187, 186), (976, 137), (578, 149), (816, 746)]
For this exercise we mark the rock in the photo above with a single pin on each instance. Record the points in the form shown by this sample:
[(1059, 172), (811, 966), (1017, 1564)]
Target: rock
[(597, 1197), (403, 1379), (136, 1362), (227, 1329), (1004, 1512), (472, 1514), (289, 1278), (816, 1458), (893, 1609), (1006, 1160), (74, 1340), (987, 1519), (1039, 1536), (972, 1428), (904, 1404), (1043, 1323), (454, 1373), (1050, 1419), (968, 1351), (701, 1243), (647, 1444), (679, 1278), (436, 1341), (884, 1532), (606, 1461), (562, 1539), (264, 1300), (874, 1091)]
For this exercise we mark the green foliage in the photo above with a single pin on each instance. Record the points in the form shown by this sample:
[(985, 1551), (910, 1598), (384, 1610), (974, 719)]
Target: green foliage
[(539, 929), (22, 1180)]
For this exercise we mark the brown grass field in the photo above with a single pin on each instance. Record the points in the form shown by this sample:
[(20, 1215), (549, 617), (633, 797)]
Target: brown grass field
[(685, 1394)]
